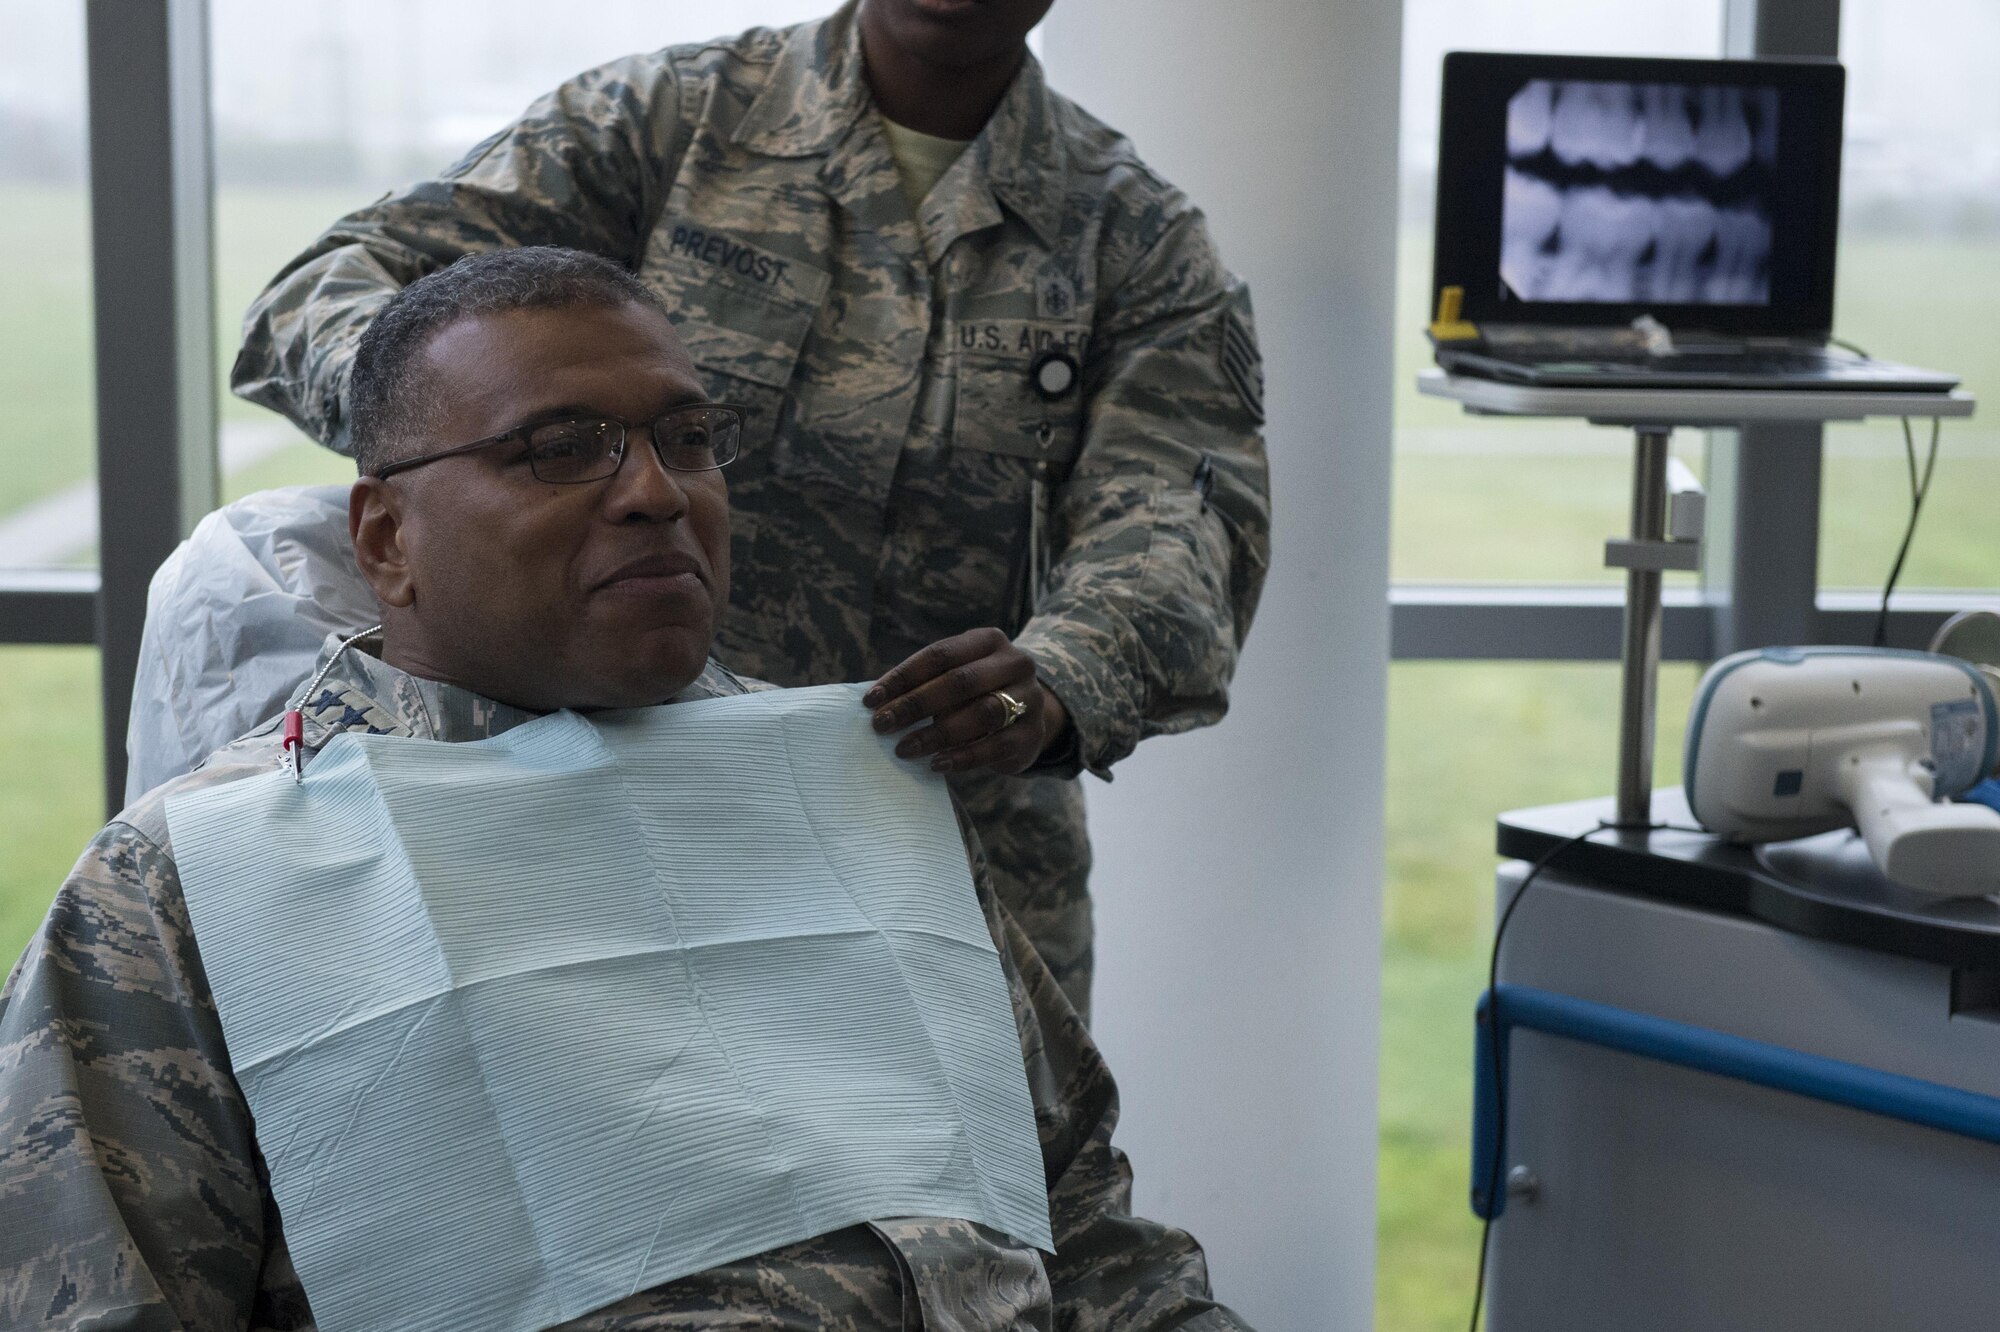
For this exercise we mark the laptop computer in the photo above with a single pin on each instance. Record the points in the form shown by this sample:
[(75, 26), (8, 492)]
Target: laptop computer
[(1640, 223)]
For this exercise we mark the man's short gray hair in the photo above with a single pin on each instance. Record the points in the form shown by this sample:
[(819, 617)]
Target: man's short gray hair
[(388, 399)]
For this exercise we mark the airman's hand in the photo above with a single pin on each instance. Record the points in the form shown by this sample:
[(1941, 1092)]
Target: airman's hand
[(957, 685)]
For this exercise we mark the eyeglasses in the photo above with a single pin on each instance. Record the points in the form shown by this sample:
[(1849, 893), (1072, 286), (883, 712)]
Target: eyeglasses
[(698, 438)]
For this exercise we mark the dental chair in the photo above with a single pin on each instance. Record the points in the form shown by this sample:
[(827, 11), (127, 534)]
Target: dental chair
[(235, 619)]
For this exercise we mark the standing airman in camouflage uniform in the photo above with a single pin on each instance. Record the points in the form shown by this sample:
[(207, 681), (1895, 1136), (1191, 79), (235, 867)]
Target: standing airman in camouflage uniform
[(1018, 418)]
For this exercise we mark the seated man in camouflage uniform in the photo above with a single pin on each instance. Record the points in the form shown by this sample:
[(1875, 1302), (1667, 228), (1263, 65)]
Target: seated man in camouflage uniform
[(133, 1194)]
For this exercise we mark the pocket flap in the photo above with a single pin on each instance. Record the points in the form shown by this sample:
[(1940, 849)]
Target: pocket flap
[(742, 310), (997, 411), (742, 334)]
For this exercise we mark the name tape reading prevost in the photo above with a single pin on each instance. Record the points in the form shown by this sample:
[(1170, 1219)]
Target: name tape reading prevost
[(739, 257)]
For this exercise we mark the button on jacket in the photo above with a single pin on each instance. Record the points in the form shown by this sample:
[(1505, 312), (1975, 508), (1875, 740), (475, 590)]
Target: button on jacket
[(903, 477)]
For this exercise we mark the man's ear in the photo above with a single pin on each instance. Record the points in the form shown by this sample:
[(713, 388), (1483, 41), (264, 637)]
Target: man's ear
[(375, 525)]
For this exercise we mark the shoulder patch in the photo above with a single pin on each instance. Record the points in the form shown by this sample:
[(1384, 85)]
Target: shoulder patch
[(1243, 364)]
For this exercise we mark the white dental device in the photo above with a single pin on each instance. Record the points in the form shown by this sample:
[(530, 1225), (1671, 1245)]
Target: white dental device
[(1789, 742)]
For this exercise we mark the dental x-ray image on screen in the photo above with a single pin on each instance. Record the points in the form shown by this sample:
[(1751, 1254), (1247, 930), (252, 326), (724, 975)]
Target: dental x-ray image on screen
[(1639, 193)]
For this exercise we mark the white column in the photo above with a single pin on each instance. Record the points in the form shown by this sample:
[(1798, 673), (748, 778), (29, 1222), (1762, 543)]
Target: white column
[(1239, 870)]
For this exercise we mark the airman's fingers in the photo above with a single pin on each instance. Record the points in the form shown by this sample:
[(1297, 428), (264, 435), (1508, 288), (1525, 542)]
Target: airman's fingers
[(986, 714), (1012, 748), (930, 662), (1008, 668)]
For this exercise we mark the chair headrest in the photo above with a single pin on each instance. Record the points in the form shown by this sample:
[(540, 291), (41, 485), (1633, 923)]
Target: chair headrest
[(235, 619)]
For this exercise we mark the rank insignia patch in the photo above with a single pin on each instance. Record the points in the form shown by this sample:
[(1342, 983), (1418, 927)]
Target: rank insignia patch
[(1242, 366), (1055, 297)]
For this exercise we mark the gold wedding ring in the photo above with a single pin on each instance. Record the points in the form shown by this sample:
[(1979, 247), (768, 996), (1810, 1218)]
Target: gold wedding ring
[(1016, 709)]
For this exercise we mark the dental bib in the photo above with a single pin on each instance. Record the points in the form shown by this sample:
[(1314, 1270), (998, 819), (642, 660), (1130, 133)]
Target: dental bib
[(533, 1023)]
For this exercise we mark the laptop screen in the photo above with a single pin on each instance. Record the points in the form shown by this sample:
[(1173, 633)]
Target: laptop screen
[(1586, 190)]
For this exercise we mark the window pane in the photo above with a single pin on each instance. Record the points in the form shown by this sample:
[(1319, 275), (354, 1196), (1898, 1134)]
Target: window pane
[(1490, 500), (1919, 266), (315, 114), (48, 499), (1467, 741), (51, 788)]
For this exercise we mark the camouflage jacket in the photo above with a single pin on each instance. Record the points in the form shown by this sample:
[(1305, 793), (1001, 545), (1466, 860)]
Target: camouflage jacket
[(133, 1195), (903, 479)]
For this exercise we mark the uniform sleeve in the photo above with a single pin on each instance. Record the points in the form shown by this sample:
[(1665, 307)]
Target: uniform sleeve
[(129, 1193), (584, 168), (1160, 536)]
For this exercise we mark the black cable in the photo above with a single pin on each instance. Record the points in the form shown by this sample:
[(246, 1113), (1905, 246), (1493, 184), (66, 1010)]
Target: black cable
[(1843, 342), (1920, 488), (1493, 1182)]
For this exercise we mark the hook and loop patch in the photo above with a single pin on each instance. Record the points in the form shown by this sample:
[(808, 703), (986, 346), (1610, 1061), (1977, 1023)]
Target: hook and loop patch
[(1243, 364)]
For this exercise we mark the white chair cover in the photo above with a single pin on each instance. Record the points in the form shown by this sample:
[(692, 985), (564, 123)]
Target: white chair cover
[(235, 619)]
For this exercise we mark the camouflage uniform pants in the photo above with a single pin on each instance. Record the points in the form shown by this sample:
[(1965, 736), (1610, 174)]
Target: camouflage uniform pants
[(1038, 851)]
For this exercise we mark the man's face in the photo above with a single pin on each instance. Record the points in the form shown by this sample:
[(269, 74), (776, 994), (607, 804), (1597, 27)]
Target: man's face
[(599, 594), (957, 33)]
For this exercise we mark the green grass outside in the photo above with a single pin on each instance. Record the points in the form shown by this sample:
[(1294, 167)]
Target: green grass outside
[(47, 417), (47, 387), (1479, 518), (51, 781), (1465, 510)]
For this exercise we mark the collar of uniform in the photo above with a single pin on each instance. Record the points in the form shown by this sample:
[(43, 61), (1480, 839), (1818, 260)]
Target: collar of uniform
[(361, 692), (1023, 154), (816, 90)]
